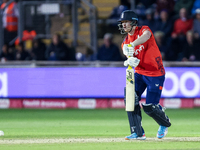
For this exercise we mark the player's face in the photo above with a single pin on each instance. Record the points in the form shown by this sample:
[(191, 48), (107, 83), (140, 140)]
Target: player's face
[(126, 25)]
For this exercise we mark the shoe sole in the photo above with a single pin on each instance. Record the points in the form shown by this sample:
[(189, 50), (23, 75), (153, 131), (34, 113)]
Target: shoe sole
[(165, 133), (139, 138)]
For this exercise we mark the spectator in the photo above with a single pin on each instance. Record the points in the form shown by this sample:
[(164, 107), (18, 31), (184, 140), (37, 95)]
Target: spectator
[(38, 50), (191, 51), (150, 21), (181, 26), (58, 50), (161, 42), (117, 11), (88, 56), (21, 53), (109, 51), (196, 5), (146, 3), (126, 3), (165, 23), (187, 4), (140, 11), (10, 20), (165, 5), (116, 14), (6, 53), (196, 24)]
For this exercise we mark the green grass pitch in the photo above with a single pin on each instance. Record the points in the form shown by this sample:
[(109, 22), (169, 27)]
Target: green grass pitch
[(104, 129)]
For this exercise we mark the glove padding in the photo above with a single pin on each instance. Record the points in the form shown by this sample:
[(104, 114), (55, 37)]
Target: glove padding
[(128, 51), (125, 49), (126, 63), (132, 61)]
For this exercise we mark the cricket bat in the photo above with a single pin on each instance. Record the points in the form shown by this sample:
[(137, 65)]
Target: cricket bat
[(130, 88)]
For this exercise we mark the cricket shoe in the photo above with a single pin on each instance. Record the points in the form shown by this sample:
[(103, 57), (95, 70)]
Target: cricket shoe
[(162, 132), (134, 136)]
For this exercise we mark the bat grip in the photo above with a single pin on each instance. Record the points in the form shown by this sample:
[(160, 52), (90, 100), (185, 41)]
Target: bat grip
[(129, 67)]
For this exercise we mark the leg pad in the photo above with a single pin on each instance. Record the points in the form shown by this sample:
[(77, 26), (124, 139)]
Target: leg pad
[(135, 119), (157, 114)]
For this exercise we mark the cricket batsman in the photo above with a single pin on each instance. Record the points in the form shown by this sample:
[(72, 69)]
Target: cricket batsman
[(144, 55)]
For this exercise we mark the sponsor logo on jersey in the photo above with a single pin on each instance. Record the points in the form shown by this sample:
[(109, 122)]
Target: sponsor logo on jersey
[(137, 51)]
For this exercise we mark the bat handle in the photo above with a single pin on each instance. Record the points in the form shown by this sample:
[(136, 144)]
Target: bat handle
[(129, 67)]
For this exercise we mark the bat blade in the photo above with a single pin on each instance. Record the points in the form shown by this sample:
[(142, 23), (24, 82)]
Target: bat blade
[(130, 89)]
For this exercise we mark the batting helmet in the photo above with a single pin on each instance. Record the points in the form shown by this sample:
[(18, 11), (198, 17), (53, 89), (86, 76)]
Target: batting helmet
[(130, 16)]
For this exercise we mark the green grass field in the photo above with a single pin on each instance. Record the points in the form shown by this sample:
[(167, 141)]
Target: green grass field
[(93, 129)]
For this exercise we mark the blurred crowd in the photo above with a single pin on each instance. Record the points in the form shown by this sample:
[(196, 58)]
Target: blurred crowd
[(175, 24), (56, 51)]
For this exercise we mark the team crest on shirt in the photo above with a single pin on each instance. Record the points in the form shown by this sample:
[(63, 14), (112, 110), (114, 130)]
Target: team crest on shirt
[(137, 51)]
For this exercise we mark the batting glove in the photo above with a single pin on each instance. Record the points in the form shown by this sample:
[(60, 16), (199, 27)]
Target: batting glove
[(133, 61), (130, 51), (125, 49), (126, 63)]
